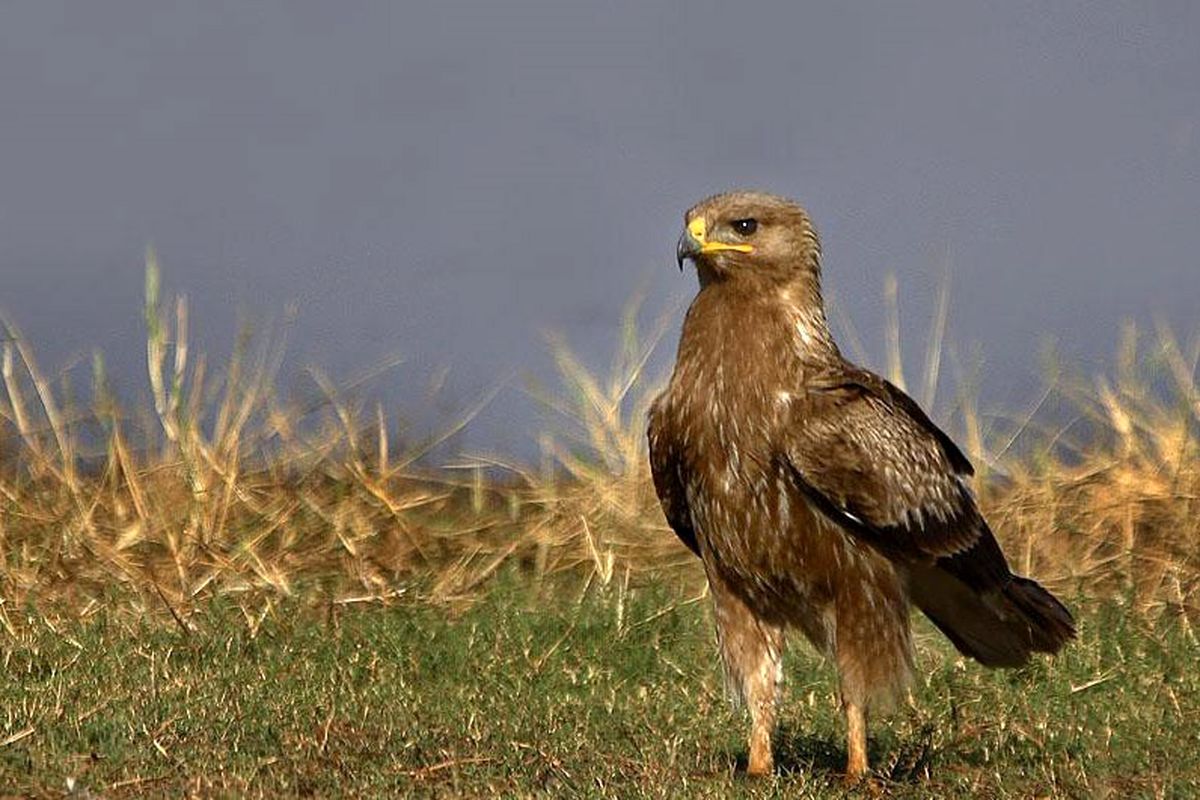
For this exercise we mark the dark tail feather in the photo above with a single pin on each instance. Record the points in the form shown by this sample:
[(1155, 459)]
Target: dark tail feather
[(1048, 623), (997, 628)]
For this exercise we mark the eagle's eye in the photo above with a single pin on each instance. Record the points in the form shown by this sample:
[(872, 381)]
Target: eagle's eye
[(744, 227)]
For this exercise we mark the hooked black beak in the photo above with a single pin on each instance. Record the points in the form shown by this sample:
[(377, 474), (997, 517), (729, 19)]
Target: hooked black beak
[(688, 247)]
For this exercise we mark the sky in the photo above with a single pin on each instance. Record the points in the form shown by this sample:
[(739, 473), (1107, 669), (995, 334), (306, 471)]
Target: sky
[(448, 183)]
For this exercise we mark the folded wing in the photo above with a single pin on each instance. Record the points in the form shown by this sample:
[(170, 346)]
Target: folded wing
[(867, 457)]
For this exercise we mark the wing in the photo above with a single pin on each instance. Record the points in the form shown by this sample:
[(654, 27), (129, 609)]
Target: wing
[(866, 455), (668, 484)]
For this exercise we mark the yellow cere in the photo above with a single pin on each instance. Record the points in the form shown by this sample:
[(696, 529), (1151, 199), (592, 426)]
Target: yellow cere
[(698, 229)]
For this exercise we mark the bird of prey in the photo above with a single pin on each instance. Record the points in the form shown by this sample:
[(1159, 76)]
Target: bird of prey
[(818, 495)]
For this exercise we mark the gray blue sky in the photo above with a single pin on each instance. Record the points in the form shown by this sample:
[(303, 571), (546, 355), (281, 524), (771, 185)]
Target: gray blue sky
[(446, 182)]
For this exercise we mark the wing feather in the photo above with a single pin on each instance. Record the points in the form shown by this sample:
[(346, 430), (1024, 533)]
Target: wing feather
[(668, 483), (864, 453)]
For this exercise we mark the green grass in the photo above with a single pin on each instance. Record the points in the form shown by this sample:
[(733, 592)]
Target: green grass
[(520, 694)]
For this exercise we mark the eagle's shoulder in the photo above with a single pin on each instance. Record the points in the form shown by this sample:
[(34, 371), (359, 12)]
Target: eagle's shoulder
[(844, 384)]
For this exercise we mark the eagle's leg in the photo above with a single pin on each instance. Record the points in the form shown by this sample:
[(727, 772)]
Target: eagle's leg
[(856, 741), (872, 646), (751, 652)]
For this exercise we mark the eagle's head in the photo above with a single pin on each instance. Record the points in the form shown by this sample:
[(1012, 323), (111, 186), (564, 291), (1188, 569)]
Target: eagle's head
[(750, 236)]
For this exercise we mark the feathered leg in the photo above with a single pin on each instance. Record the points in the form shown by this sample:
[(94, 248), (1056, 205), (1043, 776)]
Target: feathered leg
[(873, 648), (751, 651)]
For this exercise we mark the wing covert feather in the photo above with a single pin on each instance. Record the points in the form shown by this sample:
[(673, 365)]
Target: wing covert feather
[(864, 453)]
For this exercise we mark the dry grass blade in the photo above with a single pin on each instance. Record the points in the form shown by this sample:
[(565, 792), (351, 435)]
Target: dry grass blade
[(891, 297), (937, 337)]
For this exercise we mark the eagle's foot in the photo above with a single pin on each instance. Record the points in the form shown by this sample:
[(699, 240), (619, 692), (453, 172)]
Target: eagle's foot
[(856, 743), (761, 761), (760, 768), (856, 768)]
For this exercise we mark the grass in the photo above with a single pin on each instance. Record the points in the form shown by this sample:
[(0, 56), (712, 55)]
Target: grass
[(226, 591), (516, 695)]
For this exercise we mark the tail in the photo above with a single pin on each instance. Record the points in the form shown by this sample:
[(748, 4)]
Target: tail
[(1047, 621), (999, 627)]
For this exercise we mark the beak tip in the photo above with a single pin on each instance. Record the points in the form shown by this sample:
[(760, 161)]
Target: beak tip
[(684, 250)]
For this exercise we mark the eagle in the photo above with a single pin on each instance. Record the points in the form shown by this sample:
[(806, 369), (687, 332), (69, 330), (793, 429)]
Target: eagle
[(818, 495)]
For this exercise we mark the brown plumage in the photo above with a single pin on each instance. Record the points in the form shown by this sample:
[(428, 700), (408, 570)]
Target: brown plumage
[(818, 495)]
